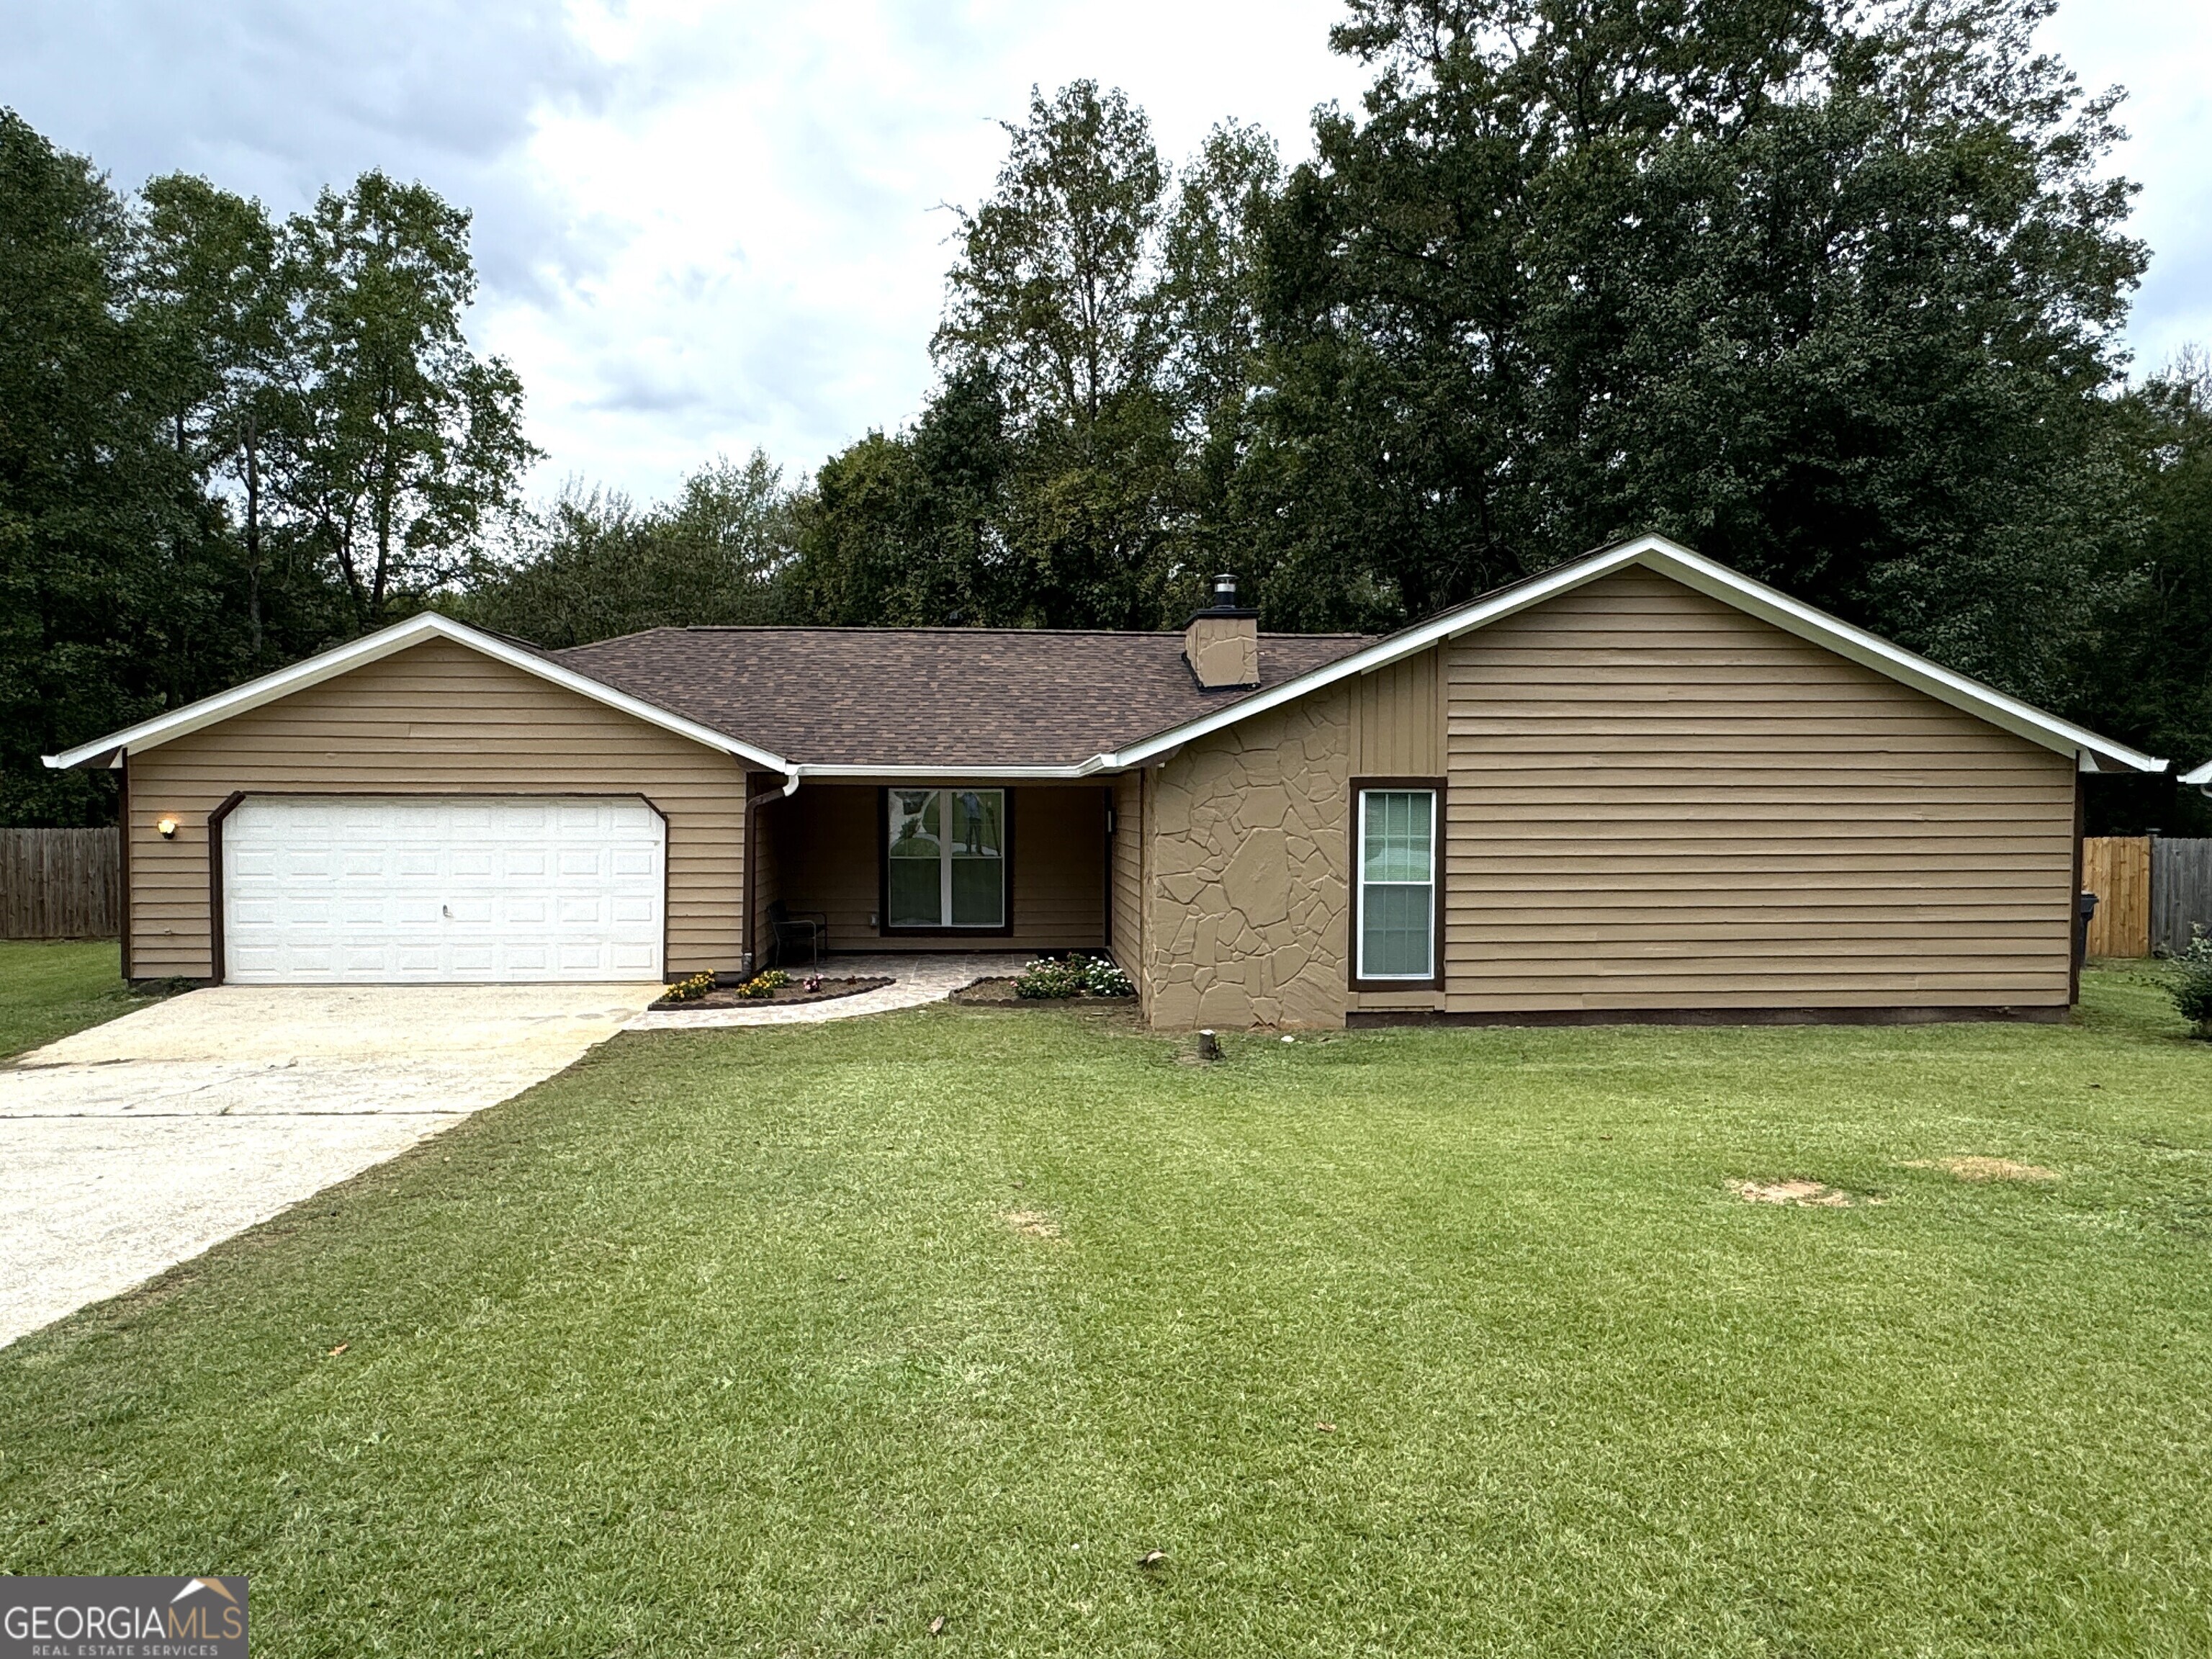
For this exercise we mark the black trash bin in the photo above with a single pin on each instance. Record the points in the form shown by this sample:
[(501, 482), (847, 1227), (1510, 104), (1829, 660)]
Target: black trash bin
[(2085, 908)]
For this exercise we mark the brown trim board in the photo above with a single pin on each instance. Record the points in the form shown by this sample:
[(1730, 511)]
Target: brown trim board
[(122, 852), (1106, 826), (1436, 980), (2043, 1014), (230, 803), (654, 806)]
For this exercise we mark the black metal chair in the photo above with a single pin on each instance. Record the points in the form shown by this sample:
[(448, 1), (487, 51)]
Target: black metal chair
[(807, 927)]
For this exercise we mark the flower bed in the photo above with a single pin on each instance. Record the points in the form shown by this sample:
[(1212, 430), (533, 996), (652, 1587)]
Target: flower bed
[(784, 988), (1055, 979)]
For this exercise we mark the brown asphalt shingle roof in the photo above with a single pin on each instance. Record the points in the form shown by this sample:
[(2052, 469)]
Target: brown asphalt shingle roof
[(930, 696)]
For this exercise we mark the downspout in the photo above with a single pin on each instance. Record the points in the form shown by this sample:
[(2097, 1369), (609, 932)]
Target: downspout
[(783, 791)]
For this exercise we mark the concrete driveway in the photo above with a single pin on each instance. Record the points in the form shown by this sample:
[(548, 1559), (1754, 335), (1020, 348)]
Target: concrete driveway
[(138, 1144)]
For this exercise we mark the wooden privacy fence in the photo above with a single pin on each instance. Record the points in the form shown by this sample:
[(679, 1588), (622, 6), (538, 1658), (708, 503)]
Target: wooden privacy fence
[(2151, 891), (2116, 869), (60, 883), (2180, 890)]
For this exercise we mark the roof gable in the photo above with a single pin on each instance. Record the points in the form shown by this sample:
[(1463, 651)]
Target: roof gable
[(2091, 753), (948, 702), (374, 647)]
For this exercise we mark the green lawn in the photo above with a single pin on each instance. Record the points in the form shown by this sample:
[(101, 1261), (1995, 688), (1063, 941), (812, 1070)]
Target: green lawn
[(49, 987), (790, 1341)]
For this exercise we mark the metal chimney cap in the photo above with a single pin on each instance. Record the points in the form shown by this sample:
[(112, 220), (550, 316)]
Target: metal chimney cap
[(1224, 591)]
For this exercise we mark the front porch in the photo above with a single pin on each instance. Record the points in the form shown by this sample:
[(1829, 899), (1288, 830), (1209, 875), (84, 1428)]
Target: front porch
[(895, 868)]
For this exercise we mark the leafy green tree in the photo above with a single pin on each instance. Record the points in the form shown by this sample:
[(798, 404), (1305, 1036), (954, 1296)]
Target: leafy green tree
[(2143, 669), (215, 296), (1055, 303), (910, 528), (1075, 465), (595, 566), (1829, 292), (1210, 296), (1053, 287), (89, 488), (408, 452)]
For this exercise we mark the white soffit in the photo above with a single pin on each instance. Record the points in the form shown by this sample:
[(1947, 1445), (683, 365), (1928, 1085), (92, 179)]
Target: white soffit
[(371, 647), (2202, 776), (1716, 580)]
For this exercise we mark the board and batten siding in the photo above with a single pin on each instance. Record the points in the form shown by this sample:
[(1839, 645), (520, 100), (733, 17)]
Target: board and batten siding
[(435, 718), (1398, 719), (1660, 802)]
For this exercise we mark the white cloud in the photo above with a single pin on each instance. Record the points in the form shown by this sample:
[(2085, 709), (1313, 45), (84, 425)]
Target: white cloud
[(704, 227), (2161, 52), (769, 184)]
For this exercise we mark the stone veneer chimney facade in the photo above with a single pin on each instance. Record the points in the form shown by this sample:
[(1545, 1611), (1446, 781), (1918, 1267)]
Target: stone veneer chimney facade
[(1221, 643)]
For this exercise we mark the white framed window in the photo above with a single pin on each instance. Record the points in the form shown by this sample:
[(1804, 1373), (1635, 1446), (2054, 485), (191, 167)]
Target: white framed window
[(1397, 914), (945, 863)]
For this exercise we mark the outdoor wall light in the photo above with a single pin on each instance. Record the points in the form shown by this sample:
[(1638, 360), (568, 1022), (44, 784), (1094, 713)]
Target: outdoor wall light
[(167, 828)]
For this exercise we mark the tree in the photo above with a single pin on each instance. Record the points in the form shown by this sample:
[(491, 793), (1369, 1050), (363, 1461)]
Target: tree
[(1210, 289), (2143, 671), (596, 567), (908, 529), (1209, 297), (1831, 293), (88, 488), (1052, 288), (1053, 305), (215, 293), (409, 449)]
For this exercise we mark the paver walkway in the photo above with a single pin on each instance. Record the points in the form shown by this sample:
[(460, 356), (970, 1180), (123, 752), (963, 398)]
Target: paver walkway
[(916, 978)]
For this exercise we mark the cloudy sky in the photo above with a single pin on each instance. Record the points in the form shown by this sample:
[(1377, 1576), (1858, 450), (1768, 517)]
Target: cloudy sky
[(707, 227)]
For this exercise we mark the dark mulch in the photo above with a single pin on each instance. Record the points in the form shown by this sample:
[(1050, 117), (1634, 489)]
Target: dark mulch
[(726, 996)]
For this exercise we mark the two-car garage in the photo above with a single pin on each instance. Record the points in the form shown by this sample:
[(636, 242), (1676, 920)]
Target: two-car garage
[(432, 805), (448, 889)]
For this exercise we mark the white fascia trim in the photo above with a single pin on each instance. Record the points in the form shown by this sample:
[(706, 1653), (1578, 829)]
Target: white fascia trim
[(1380, 655), (371, 647), (2202, 776), (956, 774), (1731, 587), (1871, 651)]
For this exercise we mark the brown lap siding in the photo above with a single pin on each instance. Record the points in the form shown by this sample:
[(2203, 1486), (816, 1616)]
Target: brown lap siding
[(438, 719), (1660, 803)]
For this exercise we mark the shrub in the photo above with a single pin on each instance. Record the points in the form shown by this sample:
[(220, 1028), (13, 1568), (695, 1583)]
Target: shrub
[(2192, 985), (1072, 976), (761, 985), (689, 990), (1046, 978), (1102, 979)]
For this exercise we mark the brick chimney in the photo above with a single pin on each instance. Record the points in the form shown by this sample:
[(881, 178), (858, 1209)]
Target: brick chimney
[(1221, 643)]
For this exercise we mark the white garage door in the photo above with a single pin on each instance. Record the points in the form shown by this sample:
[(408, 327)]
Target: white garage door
[(324, 889)]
